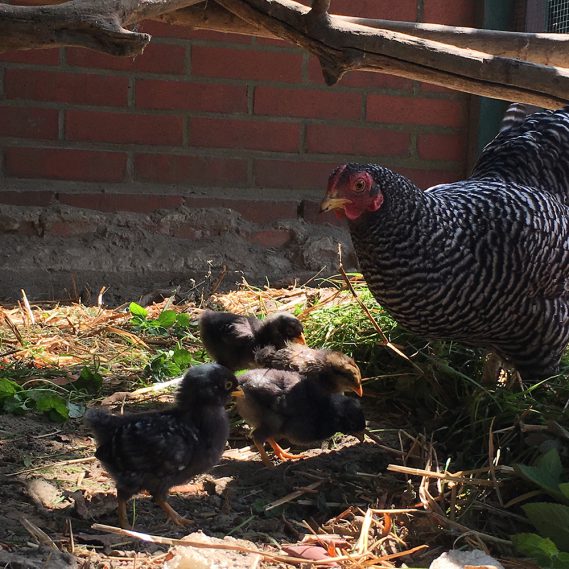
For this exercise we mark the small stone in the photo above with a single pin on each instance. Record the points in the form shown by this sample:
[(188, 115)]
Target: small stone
[(456, 559)]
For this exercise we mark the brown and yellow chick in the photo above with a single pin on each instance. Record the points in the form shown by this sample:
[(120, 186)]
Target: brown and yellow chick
[(335, 372)]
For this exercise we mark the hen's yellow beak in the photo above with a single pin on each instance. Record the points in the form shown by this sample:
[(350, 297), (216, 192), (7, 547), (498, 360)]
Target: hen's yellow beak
[(300, 339), (329, 203)]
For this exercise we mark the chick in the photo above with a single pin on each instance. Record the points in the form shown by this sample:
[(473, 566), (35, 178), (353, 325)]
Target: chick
[(279, 403), (156, 450), (335, 372), (231, 339)]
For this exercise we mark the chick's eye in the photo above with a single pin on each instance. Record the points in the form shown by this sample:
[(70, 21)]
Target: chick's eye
[(229, 385), (360, 185)]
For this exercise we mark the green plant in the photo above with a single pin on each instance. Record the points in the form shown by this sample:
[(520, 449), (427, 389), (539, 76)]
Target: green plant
[(169, 322), (59, 403), (551, 519), (170, 363)]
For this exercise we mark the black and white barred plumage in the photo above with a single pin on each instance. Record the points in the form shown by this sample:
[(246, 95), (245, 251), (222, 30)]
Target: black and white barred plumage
[(485, 260)]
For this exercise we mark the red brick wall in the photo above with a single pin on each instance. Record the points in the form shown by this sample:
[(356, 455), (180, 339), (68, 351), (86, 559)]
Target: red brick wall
[(218, 113)]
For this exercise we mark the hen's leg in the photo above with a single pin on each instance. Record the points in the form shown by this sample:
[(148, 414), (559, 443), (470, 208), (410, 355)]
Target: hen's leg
[(172, 515), (281, 453)]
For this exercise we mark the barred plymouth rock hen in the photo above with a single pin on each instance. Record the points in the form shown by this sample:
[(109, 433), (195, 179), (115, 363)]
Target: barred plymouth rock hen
[(484, 261)]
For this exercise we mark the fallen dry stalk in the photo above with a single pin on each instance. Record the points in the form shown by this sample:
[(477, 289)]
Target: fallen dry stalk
[(446, 476)]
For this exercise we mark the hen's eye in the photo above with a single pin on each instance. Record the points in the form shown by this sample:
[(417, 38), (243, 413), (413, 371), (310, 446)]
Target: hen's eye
[(229, 385), (360, 185)]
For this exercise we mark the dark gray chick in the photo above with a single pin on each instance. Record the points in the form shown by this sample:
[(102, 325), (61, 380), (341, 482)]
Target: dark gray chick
[(157, 450), (232, 339), (278, 403)]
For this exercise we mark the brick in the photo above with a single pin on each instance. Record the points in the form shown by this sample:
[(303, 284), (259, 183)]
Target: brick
[(165, 30), (377, 9), (122, 202), (270, 238), (29, 198), (309, 103), (71, 228), (124, 128), (292, 174), (199, 170), (425, 178), (415, 110), (360, 79), (442, 147), (457, 13), (60, 87), (254, 135), (32, 56), (205, 97), (322, 138), (27, 122), (65, 164), (257, 211), (157, 58), (246, 64), (220, 37)]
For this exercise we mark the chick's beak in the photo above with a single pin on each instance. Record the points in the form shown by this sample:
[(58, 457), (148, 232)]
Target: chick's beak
[(300, 339), (330, 202), (359, 390), (238, 393)]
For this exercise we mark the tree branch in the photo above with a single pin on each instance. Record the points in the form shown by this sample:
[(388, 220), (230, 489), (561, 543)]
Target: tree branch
[(97, 25), (342, 46)]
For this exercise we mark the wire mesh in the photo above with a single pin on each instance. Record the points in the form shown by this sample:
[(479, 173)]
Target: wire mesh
[(558, 16)]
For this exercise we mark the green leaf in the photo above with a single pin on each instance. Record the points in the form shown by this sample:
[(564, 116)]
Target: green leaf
[(564, 489), (17, 404), (182, 358), (183, 320), (542, 549), (137, 310), (89, 379), (550, 520), (8, 388), (545, 474), (561, 561), (167, 318), (550, 462), (51, 403)]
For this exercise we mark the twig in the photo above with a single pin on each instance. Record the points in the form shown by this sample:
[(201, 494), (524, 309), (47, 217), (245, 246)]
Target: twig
[(28, 307), (385, 340), (103, 290), (455, 525), (223, 546), (446, 476), (293, 495), (38, 534), (12, 327), (61, 462)]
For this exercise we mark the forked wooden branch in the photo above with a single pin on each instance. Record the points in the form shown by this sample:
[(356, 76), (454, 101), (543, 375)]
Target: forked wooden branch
[(342, 46), (99, 25)]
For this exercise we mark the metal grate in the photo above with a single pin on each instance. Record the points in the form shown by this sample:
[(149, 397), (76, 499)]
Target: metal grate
[(557, 16)]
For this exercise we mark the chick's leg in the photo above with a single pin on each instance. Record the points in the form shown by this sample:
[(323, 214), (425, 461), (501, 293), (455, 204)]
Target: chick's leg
[(172, 515), (283, 454), (123, 517), (264, 456)]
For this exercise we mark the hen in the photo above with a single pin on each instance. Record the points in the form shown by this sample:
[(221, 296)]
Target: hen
[(279, 403), (157, 450), (231, 339), (334, 371), (484, 261)]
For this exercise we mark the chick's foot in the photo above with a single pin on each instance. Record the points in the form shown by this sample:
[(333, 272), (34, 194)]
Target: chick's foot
[(283, 454)]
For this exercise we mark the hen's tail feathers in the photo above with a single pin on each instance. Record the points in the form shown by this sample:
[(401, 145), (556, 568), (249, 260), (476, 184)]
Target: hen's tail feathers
[(101, 423), (531, 151)]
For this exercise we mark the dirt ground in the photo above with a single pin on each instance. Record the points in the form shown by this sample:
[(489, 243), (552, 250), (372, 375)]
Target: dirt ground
[(50, 478)]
